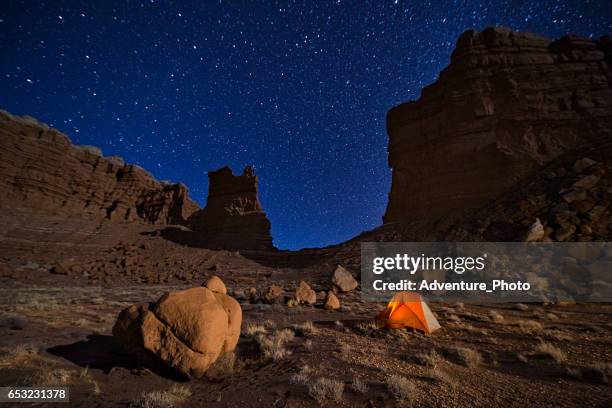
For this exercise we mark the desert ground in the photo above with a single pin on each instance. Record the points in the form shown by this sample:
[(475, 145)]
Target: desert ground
[(56, 330)]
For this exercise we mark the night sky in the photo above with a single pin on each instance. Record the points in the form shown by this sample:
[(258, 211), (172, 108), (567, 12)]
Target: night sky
[(298, 89)]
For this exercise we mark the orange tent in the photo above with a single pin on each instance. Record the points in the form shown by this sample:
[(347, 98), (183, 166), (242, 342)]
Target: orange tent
[(409, 310)]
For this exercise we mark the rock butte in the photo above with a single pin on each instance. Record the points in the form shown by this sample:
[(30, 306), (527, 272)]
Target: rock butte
[(507, 104), (233, 217)]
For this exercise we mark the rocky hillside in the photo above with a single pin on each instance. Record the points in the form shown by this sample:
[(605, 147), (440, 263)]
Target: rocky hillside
[(508, 104), (42, 172)]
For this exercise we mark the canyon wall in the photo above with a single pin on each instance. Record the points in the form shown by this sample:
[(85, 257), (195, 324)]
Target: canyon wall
[(233, 217), (507, 104), (42, 172)]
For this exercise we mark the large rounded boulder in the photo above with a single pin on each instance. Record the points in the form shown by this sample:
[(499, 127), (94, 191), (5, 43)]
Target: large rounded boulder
[(185, 330)]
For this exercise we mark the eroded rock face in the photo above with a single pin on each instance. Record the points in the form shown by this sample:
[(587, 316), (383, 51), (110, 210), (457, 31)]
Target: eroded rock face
[(507, 105), (233, 217), (42, 171), (185, 330)]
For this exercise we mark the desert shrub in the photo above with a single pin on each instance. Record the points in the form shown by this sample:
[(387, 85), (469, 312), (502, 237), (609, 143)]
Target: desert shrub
[(305, 329), (465, 356), (549, 351), (430, 359), (47, 377), (367, 326), (173, 397), (14, 322), (401, 388), (253, 329), (325, 390), (223, 367), (530, 326), (437, 374), (301, 377), (273, 345), (359, 385)]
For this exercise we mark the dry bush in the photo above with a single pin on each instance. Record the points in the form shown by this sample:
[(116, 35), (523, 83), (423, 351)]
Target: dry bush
[(173, 397), (367, 326), (439, 375), (18, 354), (466, 356), (13, 322), (431, 359), (305, 329), (47, 377), (273, 345), (548, 350), (269, 324), (496, 317), (401, 388), (326, 389), (86, 377), (359, 385), (252, 329), (530, 326), (223, 367), (302, 377)]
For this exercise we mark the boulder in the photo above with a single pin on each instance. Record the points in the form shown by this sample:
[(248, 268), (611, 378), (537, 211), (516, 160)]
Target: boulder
[(304, 294), (343, 279), (215, 284), (331, 301), (536, 231), (185, 330), (275, 294)]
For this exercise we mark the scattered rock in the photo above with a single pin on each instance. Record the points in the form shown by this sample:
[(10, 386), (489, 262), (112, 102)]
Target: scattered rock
[(587, 182), (304, 294), (583, 164), (275, 294), (332, 302), (536, 231), (563, 233), (343, 279)]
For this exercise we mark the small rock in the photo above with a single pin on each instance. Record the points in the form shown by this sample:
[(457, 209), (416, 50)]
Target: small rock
[(252, 295), (521, 306), (536, 231), (275, 294), (332, 302), (587, 182), (574, 195), (583, 164), (343, 279), (565, 232), (304, 294), (321, 295)]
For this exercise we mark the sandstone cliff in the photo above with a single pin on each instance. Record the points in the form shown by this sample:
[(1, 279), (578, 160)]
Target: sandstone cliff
[(41, 171), (507, 104), (233, 217)]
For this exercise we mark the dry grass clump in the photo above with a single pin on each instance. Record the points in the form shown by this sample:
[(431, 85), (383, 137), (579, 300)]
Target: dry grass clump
[(549, 351), (326, 390), (273, 345), (600, 372), (223, 367), (308, 345), (173, 397), (401, 388), (305, 329), (86, 377), (367, 326), (359, 385), (252, 329), (557, 335), (302, 377), (431, 359), (269, 324), (439, 375), (18, 354), (496, 317), (345, 349), (47, 377), (466, 357), (530, 326)]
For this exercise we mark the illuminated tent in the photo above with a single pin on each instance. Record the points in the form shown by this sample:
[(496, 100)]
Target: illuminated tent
[(408, 310)]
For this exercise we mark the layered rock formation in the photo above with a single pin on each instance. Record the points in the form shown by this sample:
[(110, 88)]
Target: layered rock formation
[(508, 104), (42, 171), (233, 217)]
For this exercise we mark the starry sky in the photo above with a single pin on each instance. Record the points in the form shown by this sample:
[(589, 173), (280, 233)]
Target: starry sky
[(299, 89)]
